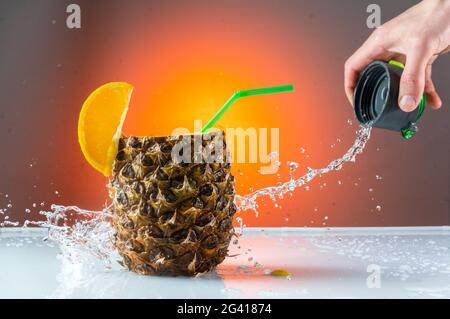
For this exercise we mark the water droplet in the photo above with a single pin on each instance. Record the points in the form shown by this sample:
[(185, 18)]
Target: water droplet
[(378, 208), (302, 150), (27, 211), (326, 218), (370, 189), (292, 166)]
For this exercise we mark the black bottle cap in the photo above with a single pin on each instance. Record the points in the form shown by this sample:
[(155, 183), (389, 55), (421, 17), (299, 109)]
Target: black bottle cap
[(376, 99)]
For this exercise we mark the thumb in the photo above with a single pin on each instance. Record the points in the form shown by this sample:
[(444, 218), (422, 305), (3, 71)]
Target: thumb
[(412, 82)]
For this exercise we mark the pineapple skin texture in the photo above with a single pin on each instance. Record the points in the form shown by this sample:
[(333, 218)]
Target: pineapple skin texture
[(170, 218)]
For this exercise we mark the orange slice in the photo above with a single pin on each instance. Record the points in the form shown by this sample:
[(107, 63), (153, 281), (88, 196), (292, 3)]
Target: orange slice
[(100, 124)]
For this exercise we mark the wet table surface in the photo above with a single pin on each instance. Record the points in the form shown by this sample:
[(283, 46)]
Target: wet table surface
[(324, 263)]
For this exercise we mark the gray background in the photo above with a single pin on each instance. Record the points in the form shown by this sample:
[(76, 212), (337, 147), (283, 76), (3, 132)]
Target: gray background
[(40, 100)]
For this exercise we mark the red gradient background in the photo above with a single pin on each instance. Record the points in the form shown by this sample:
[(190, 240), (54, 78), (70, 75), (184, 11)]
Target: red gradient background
[(185, 58)]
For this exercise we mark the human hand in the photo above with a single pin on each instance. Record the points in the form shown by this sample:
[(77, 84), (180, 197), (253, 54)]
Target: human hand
[(415, 38)]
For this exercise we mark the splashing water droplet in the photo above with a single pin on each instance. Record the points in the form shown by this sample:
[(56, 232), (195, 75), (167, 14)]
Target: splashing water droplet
[(241, 224), (293, 166), (273, 155)]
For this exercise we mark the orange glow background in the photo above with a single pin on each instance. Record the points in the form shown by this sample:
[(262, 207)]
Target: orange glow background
[(186, 62)]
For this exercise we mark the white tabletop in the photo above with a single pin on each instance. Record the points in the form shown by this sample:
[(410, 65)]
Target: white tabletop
[(324, 263)]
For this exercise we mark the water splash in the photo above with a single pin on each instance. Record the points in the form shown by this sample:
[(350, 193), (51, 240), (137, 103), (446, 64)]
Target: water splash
[(86, 236), (250, 201), (80, 233)]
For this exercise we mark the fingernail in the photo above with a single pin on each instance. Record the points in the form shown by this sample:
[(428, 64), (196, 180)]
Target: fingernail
[(407, 102)]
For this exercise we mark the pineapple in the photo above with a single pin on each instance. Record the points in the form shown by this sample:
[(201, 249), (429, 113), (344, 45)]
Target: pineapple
[(170, 218)]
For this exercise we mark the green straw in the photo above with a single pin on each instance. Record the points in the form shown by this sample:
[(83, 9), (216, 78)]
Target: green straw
[(237, 95)]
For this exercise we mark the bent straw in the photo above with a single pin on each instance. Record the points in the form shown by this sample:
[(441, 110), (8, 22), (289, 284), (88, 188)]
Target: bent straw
[(237, 95)]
